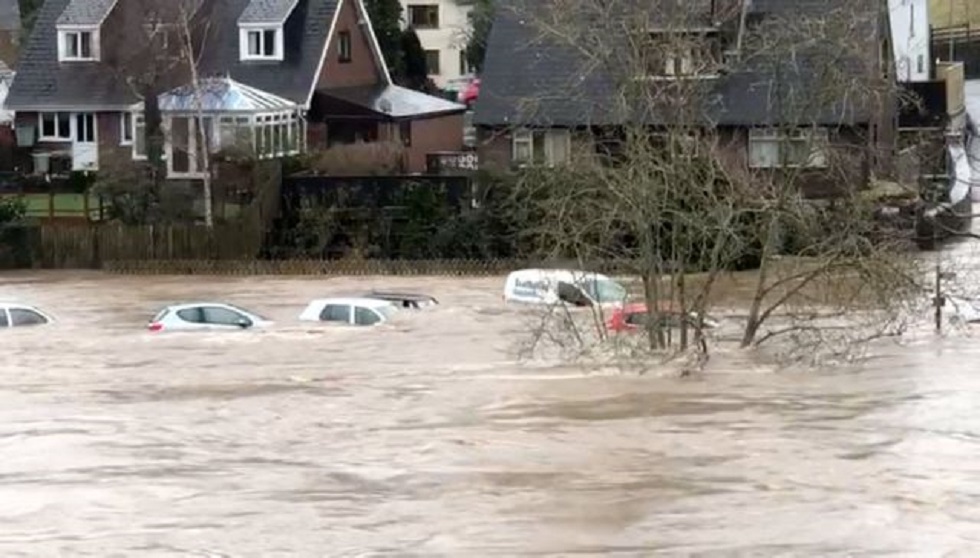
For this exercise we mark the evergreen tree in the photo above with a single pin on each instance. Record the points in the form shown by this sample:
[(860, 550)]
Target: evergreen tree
[(481, 21), (386, 18), (416, 70)]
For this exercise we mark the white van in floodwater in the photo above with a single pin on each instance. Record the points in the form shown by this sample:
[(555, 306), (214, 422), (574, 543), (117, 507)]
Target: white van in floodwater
[(549, 286)]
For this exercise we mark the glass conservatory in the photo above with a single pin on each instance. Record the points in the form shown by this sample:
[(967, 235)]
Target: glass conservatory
[(235, 118)]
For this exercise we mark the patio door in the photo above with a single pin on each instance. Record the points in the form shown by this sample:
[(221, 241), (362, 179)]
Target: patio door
[(85, 142), (184, 150)]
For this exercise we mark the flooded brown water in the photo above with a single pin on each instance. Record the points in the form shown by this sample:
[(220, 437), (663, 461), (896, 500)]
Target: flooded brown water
[(425, 438)]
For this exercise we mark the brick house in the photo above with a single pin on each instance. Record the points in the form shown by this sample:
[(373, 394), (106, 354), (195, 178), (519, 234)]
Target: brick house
[(267, 69), (542, 102)]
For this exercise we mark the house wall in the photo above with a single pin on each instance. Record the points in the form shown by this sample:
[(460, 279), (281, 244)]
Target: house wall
[(430, 135), (849, 158), (449, 38), (909, 23), (363, 69), (107, 134)]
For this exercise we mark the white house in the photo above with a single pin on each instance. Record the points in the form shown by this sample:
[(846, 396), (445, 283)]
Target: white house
[(6, 78), (909, 21), (443, 28)]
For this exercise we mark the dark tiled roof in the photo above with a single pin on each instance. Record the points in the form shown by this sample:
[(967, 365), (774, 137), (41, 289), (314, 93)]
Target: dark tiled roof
[(85, 12), (44, 83), (9, 15), (305, 35), (530, 80), (267, 11)]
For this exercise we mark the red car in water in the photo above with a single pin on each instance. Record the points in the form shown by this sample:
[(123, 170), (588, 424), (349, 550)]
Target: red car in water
[(469, 94), (634, 316)]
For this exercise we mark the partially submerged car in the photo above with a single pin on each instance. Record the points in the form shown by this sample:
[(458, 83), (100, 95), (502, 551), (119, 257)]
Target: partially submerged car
[(550, 286), (361, 311), (636, 316), (404, 299), (19, 315), (205, 316)]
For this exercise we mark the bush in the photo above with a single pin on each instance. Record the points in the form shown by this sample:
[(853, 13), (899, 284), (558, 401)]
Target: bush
[(359, 159)]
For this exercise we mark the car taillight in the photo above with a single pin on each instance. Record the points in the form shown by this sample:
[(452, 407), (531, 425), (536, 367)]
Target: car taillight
[(156, 326)]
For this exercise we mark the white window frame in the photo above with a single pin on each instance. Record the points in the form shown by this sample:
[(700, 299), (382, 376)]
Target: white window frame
[(64, 54), (818, 140), (56, 137), (244, 33), (272, 135), (86, 127), (139, 127), (425, 6), (556, 146), (126, 128)]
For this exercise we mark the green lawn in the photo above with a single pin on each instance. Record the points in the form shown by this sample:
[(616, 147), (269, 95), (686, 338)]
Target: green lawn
[(65, 205)]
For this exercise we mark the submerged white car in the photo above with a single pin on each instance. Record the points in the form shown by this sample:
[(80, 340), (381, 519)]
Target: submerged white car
[(360, 311), (205, 316), (18, 315)]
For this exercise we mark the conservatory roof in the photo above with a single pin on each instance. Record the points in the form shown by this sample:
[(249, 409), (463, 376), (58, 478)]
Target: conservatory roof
[(222, 95)]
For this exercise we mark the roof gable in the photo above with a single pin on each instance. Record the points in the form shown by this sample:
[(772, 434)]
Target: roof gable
[(267, 11), (44, 83), (85, 12)]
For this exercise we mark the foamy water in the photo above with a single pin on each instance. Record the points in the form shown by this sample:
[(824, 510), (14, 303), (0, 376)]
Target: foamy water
[(426, 437)]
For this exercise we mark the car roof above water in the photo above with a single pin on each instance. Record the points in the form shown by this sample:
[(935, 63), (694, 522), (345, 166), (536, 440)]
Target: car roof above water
[(351, 301), (571, 275)]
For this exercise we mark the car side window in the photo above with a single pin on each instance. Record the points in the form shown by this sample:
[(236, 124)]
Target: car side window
[(192, 315), (335, 313), (3, 317), (365, 316), (25, 317), (223, 316), (636, 318), (571, 294)]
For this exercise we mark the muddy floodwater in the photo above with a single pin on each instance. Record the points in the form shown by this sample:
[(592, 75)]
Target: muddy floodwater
[(425, 437)]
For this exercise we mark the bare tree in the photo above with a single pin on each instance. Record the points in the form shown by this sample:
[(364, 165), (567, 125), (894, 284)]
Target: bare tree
[(192, 38), (664, 181)]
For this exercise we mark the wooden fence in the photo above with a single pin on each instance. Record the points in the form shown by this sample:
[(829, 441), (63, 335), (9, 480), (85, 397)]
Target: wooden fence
[(444, 268), (226, 249), (64, 246)]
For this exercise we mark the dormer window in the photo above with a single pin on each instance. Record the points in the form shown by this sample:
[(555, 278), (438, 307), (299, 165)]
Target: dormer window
[(261, 43), (78, 45), (260, 29), (683, 54)]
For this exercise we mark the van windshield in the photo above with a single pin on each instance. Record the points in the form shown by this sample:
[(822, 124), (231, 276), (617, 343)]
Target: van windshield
[(604, 290)]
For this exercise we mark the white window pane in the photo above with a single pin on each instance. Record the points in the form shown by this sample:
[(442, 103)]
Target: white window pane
[(557, 147), (85, 42), (64, 125), (763, 153), (71, 45), (269, 43), (253, 43), (48, 124)]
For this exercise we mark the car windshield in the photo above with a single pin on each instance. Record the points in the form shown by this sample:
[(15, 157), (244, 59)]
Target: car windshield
[(604, 290), (387, 311)]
